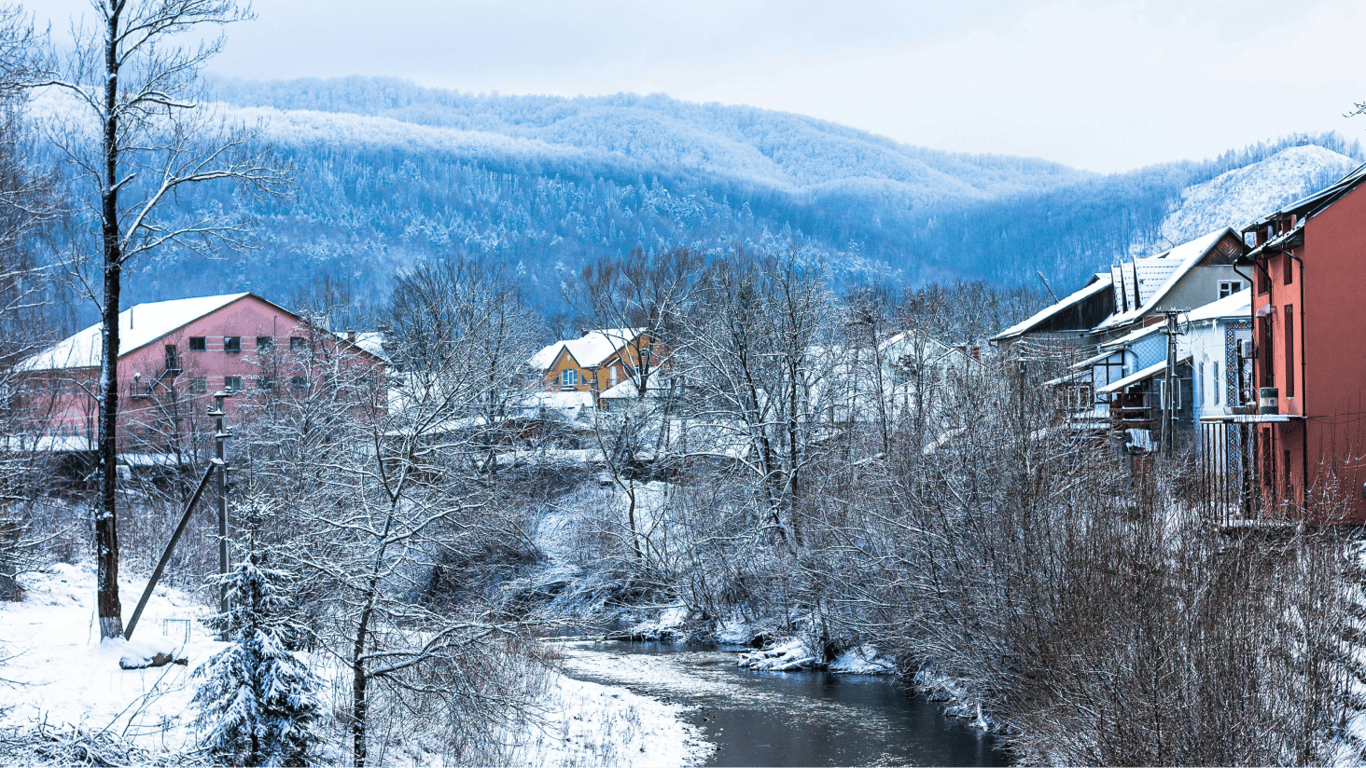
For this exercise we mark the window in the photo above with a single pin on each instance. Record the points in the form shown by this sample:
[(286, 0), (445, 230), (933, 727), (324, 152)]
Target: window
[(265, 382), (568, 378), (298, 383), (612, 377), (232, 344), (1229, 287), (1263, 281), (265, 344), (199, 385), (197, 344), (1264, 351), (1217, 384), (1289, 350), (1204, 396), (296, 343), (232, 383), (1289, 265)]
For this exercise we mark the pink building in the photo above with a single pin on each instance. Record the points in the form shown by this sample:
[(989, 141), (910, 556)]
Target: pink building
[(174, 355)]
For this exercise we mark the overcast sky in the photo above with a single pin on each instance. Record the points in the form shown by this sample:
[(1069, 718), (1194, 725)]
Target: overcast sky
[(1106, 86)]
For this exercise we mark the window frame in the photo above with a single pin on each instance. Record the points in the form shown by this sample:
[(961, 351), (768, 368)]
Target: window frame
[(232, 345), (232, 383), (199, 343), (298, 383), (265, 344)]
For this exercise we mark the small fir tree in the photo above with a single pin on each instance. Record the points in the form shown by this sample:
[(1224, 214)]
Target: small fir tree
[(258, 702)]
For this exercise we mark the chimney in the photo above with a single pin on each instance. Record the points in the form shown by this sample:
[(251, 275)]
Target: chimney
[(351, 336)]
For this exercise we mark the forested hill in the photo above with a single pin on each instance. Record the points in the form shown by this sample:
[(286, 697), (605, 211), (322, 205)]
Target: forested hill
[(391, 174)]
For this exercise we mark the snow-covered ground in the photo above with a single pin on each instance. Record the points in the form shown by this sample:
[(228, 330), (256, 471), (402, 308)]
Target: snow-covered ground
[(57, 672), (588, 724)]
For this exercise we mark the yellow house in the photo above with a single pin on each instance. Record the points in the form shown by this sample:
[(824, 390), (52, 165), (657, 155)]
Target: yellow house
[(594, 362)]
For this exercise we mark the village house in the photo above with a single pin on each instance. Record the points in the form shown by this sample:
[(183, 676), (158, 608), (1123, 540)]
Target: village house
[(1309, 354), (1121, 384), (594, 363), (173, 356)]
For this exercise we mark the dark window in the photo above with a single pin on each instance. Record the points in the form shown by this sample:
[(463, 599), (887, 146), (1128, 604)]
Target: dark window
[(199, 385), (1268, 373), (296, 343), (1289, 350), (172, 357), (265, 343), (298, 383), (232, 383), (1285, 459), (232, 344), (197, 344), (1229, 287), (1289, 268), (265, 382), (1268, 475)]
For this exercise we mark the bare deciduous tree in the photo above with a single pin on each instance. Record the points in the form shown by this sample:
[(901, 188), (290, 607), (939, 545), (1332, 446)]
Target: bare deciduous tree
[(140, 140)]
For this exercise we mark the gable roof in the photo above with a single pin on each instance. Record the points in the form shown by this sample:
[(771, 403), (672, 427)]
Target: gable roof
[(139, 326), (591, 349), (1099, 282), (1181, 259)]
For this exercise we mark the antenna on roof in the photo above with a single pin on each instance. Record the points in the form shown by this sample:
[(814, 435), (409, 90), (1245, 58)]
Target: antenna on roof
[(1046, 285)]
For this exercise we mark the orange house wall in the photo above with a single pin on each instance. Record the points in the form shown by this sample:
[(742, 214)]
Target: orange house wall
[(602, 374)]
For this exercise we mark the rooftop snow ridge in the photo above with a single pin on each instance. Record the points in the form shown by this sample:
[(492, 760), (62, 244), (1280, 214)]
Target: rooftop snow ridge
[(139, 325)]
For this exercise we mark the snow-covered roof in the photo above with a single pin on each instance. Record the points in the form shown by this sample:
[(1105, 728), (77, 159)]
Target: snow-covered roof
[(139, 326), (1169, 267), (657, 387), (366, 341), (1134, 378), (1100, 282), (1235, 305), (1131, 337), (592, 348)]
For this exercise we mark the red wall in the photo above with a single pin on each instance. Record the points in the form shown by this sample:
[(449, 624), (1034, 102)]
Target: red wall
[(1329, 299)]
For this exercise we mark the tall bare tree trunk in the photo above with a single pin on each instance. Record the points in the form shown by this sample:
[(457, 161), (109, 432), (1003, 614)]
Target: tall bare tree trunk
[(106, 527)]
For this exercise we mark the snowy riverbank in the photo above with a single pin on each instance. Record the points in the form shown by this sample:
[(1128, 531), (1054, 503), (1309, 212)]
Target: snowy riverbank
[(56, 674)]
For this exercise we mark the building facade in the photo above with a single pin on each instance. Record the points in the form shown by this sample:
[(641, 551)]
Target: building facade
[(1309, 364), (174, 356)]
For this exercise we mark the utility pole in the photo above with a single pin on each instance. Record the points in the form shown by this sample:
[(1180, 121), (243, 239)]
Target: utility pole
[(221, 462), (1170, 385)]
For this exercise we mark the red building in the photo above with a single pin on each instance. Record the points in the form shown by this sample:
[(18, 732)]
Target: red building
[(1308, 267), (173, 357)]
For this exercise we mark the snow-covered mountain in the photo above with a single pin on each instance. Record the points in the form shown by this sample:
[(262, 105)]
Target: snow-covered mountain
[(391, 175), (783, 150), (1243, 194)]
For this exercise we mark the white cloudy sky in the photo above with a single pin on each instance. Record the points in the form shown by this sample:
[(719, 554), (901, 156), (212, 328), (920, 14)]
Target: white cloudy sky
[(1101, 85)]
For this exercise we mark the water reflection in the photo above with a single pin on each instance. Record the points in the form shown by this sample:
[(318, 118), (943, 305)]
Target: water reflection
[(787, 718)]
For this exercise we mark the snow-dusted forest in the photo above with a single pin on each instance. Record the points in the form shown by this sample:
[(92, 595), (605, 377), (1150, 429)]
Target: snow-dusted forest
[(652, 404)]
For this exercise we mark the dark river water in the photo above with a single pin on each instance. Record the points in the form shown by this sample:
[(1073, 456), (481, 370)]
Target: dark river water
[(786, 718)]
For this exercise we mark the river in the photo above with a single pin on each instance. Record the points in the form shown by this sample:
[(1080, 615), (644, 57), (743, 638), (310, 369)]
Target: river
[(786, 718)]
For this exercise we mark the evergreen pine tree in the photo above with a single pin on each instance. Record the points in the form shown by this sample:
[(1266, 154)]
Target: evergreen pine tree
[(258, 702)]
